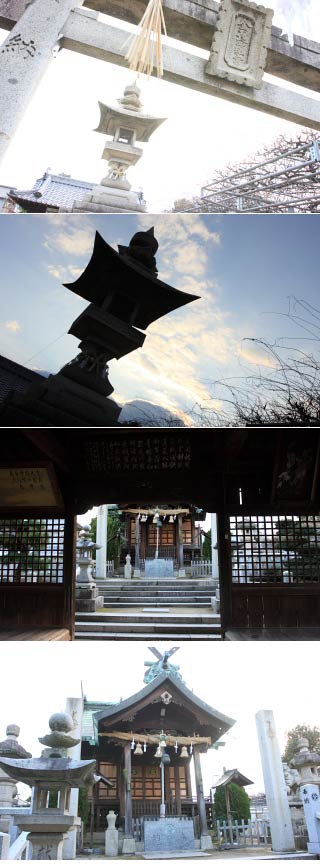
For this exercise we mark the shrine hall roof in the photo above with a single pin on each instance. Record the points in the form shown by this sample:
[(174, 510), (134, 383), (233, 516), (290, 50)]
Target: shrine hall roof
[(233, 776), (220, 721), (58, 191)]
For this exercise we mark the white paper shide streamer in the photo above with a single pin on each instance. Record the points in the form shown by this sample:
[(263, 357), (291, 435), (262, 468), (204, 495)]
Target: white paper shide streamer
[(145, 51)]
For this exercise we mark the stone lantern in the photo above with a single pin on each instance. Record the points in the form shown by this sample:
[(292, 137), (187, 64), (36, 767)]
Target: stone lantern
[(51, 777), (87, 598), (307, 764), (10, 748), (125, 124)]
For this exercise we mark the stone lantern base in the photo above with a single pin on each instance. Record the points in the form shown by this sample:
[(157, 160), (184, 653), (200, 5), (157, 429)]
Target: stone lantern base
[(87, 598)]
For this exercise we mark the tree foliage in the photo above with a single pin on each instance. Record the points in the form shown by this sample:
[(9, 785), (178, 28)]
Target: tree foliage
[(206, 547), (312, 733), (239, 803), (84, 807)]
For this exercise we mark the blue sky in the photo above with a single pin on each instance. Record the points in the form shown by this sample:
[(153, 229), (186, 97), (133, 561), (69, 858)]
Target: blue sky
[(245, 269)]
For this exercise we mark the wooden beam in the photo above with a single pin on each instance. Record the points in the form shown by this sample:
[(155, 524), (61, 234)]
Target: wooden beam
[(97, 39), (154, 739), (48, 444)]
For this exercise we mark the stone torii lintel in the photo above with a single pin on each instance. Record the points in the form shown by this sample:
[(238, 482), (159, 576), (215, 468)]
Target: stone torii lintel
[(28, 49), (98, 39)]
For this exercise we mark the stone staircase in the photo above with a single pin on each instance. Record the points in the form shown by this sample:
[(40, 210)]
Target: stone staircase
[(152, 609)]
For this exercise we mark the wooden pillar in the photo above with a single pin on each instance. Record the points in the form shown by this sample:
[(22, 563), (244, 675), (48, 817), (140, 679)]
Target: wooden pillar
[(177, 790), (225, 571), (180, 542), (167, 783), (128, 797), (69, 572), (122, 793), (137, 550), (188, 780), (199, 788)]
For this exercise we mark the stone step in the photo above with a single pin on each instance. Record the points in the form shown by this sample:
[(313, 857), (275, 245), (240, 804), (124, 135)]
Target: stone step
[(148, 627), (95, 618), (171, 636), (145, 601), (147, 593), (192, 584), (196, 595)]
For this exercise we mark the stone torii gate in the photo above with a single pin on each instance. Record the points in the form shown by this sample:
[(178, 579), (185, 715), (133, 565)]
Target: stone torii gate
[(36, 27)]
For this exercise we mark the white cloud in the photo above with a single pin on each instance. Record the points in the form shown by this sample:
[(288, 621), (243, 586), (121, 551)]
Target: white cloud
[(56, 271), (67, 237), (13, 326)]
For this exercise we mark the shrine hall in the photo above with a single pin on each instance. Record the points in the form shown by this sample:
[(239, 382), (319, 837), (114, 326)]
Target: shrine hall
[(144, 747), (262, 484)]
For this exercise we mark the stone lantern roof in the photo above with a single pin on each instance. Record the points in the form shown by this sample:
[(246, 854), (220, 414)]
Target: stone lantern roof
[(11, 748), (129, 113)]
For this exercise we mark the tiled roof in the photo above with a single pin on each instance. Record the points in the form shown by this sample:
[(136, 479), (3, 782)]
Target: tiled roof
[(54, 190), (15, 377)]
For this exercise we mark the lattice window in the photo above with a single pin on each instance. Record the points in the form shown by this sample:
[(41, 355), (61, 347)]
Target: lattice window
[(31, 551), (275, 549)]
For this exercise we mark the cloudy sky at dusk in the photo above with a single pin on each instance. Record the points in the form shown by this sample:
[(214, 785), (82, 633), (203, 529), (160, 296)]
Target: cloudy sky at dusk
[(231, 678), (244, 268), (201, 134)]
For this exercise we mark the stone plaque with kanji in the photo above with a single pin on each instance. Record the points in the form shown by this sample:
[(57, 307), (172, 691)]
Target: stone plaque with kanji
[(240, 42)]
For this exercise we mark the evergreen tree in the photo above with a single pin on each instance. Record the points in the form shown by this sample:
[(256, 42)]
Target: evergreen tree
[(239, 803), (206, 547), (84, 807), (302, 731)]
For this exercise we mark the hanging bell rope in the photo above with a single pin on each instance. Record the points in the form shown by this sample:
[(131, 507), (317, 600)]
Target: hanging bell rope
[(146, 48)]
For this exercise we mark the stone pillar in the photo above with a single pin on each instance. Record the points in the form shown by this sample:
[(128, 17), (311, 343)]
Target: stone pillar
[(24, 57), (180, 546), (4, 846), (137, 549), (205, 839), (129, 846), (74, 707), (102, 540), (275, 786)]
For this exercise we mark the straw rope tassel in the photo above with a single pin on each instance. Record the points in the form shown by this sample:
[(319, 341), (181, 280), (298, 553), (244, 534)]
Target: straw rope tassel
[(147, 45)]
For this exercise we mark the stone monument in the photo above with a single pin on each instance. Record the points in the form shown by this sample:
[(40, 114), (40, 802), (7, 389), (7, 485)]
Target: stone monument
[(87, 593), (126, 124), (240, 42), (51, 777)]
